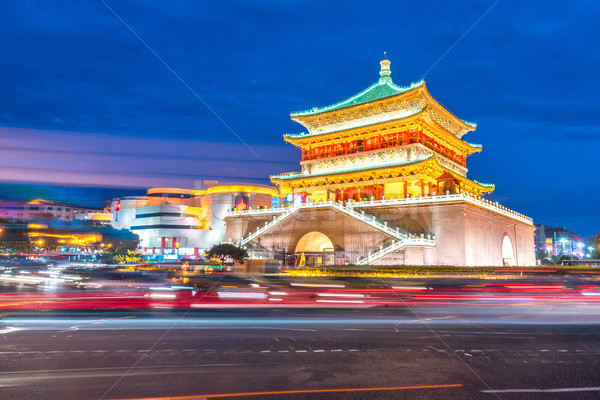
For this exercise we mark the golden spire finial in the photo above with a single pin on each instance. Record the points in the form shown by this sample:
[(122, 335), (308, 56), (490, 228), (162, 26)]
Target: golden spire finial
[(385, 71)]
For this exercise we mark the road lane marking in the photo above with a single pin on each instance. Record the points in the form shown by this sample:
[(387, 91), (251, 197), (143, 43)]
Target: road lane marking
[(556, 390), (10, 330), (306, 391)]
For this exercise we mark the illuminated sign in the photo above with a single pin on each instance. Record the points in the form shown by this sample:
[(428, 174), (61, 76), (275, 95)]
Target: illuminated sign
[(241, 203)]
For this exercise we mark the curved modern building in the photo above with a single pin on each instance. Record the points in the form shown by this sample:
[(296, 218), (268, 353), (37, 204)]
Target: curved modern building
[(176, 222)]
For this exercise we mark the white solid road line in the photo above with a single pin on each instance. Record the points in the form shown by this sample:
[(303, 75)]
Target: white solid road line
[(556, 390)]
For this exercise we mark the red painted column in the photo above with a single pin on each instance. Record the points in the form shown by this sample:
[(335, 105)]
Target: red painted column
[(422, 188), (405, 188), (174, 245), (162, 245)]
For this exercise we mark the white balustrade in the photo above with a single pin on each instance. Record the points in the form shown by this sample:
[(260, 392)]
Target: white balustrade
[(348, 209)]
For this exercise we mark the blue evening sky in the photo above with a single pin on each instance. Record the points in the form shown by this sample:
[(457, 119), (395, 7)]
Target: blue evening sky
[(84, 103)]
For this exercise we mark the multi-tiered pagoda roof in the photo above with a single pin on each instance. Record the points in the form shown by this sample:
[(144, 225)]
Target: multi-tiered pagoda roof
[(382, 135)]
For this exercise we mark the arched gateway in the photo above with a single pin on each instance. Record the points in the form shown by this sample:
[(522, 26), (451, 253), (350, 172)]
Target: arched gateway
[(317, 249), (507, 251)]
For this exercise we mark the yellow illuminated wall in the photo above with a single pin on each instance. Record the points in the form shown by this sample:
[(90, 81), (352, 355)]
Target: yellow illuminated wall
[(395, 189)]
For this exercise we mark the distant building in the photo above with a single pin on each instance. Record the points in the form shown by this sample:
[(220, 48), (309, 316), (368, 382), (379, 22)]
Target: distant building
[(39, 209), (67, 240), (176, 222), (558, 241)]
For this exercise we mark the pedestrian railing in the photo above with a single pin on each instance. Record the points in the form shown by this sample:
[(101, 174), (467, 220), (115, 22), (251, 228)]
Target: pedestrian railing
[(407, 242)]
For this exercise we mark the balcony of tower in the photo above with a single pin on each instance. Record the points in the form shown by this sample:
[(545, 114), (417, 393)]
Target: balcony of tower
[(365, 142), (413, 148)]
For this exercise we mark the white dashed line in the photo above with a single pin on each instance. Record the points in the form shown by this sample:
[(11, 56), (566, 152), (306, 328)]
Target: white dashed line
[(556, 390)]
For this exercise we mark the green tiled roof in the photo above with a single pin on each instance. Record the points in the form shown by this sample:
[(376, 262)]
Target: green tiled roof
[(296, 135), (379, 90), (484, 184), (477, 146)]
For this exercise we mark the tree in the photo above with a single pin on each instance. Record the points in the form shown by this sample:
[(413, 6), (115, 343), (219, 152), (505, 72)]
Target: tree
[(120, 256), (544, 257), (227, 253), (563, 257), (596, 246)]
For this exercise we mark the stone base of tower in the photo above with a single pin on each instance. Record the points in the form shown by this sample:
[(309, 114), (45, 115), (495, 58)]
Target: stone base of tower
[(464, 233)]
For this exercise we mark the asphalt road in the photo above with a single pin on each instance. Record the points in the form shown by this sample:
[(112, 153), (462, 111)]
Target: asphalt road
[(461, 351)]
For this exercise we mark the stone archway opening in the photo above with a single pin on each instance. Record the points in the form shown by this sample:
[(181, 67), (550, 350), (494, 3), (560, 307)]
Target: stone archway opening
[(314, 249), (507, 251)]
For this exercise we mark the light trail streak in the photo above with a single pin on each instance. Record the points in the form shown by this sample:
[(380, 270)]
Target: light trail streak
[(341, 301), (340, 295), (305, 391), (323, 285)]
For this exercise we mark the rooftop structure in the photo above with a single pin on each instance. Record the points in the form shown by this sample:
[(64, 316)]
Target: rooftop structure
[(384, 142)]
